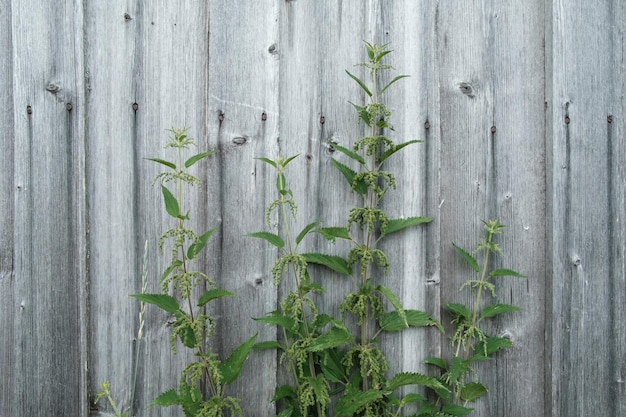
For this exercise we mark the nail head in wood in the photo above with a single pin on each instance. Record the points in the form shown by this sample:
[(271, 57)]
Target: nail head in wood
[(29, 110), (567, 120), (426, 125), (322, 120), (493, 129), (135, 107), (263, 116), (609, 119), (69, 107)]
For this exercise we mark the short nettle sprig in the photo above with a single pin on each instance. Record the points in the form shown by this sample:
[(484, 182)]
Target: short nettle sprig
[(470, 341), (191, 323)]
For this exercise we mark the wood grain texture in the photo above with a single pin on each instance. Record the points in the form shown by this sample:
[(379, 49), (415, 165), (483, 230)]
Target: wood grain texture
[(521, 109), (49, 258), (586, 222)]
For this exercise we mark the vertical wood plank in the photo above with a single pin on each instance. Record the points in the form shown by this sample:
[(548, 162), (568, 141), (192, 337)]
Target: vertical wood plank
[(243, 118), (587, 194), (49, 340), (492, 139), (147, 75), (8, 305)]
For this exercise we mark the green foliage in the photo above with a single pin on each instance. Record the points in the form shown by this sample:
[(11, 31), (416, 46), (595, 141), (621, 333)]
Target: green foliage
[(470, 340), (191, 323)]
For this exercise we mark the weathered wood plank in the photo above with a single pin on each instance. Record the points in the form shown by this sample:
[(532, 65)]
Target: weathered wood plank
[(586, 241), (243, 118), (492, 140), (146, 76), (8, 305), (48, 345)]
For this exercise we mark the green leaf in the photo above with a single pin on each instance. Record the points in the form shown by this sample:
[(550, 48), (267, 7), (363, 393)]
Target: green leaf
[(399, 77), (393, 322), (163, 162), (268, 161), (458, 310), (231, 367), (438, 362), (396, 148), (196, 247), (494, 344), (284, 391), (305, 231), (171, 205), (335, 337), (333, 262), (395, 302), (166, 399), (473, 391), (468, 258), (281, 183), (413, 398), (360, 187), (495, 309), (170, 268), (291, 158), (353, 401), (189, 162), (278, 319), (456, 410), (414, 378), (270, 344), (163, 301), (458, 367), (213, 294), (332, 233), (332, 365), (349, 153), (363, 113), (395, 225), (360, 83), (505, 273), (270, 237)]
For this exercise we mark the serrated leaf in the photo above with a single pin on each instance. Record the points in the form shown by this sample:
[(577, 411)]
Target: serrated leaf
[(469, 259), (505, 273), (163, 301), (494, 344), (495, 309), (332, 365), (413, 398), (360, 83), (395, 302), (196, 247), (349, 174), (213, 294), (231, 367), (332, 233), (284, 391), (392, 321), (171, 204), (395, 225), (336, 263), (305, 231), (270, 344), (438, 362), (458, 367), (189, 162), (270, 237), (278, 319), (169, 269), (399, 77), (163, 162), (414, 378), (268, 161), (396, 148), (456, 410), (166, 399), (473, 391), (458, 310), (363, 113), (335, 337), (349, 153), (350, 403)]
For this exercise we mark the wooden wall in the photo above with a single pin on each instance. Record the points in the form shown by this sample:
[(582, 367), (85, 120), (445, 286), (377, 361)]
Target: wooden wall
[(521, 109)]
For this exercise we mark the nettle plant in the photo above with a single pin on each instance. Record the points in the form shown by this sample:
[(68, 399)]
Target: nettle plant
[(186, 292), (332, 361)]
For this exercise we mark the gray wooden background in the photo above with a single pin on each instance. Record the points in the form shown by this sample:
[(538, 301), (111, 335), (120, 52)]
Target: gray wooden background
[(520, 104)]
